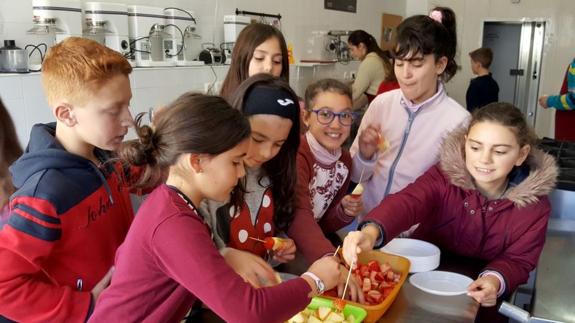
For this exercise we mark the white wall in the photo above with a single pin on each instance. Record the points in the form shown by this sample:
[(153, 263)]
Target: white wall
[(558, 51), (23, 96)]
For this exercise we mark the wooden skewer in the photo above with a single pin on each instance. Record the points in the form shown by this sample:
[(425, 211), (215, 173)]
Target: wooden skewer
[(256, 239), (347, 280)]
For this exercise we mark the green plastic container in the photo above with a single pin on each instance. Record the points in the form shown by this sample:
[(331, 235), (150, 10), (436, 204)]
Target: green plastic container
[(357, 312)]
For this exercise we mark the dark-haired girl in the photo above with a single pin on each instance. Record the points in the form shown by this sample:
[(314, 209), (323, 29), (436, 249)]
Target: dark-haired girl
[(486, 199), (268, 205), (413, 119), (373, 69), (260, 48), (168, 259)]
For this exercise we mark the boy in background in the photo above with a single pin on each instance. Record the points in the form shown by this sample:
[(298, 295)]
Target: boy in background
[(483, 89), (71, 209)]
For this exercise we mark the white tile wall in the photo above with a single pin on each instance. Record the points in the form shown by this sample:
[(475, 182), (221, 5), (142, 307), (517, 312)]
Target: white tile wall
[(23, 95)]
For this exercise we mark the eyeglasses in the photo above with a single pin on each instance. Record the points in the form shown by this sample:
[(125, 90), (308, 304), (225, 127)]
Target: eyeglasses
[(326, 116)]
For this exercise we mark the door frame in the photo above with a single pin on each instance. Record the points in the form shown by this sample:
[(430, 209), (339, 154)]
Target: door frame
[(534, 87)]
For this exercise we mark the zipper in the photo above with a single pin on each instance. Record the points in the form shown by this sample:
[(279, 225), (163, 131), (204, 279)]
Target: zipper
[(403, 142)]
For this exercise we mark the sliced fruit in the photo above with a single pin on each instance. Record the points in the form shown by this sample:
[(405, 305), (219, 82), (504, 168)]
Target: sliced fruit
[(339, 305), (313, 319), (373, 266), (357, 191), (335, 317), (298, 318), (382, 144), (366, 286), (323, 312), (273, 243)]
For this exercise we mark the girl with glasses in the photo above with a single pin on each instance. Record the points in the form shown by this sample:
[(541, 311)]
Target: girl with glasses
[(324, 171)]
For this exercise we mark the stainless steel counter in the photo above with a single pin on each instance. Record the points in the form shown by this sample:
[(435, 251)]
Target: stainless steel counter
[(555, 282), (415, 305)]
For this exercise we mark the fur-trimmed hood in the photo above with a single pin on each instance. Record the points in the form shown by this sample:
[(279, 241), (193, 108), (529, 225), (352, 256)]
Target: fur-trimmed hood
[(540, 181)]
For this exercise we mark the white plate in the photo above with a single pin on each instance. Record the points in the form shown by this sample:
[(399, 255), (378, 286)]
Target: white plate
[(422, 255), (441, 282)]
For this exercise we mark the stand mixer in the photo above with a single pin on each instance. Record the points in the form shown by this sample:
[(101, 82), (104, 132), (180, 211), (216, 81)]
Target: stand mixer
[(63, 18), (233, 25), (107, 23), (147, 35), (183, 45)]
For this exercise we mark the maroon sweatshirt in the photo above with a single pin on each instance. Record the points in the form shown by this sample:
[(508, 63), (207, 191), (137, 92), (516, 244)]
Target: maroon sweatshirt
[(508, 232), (304, 230), (168, 260)]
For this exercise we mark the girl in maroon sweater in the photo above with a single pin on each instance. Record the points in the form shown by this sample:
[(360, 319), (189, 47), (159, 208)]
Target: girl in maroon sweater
[(168, 259), (486, 199), (324, 169)]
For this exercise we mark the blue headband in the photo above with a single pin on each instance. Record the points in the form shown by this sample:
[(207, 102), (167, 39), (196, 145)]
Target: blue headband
[(267, 100)]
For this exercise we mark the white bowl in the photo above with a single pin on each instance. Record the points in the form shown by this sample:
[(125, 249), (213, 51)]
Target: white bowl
[(423, 255), (441, 282)]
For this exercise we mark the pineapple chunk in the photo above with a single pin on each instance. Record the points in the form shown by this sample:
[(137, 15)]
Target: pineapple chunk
[(323, 312), (298, 318), (335, 317), (358, 190), (308, 312), (313, 319)]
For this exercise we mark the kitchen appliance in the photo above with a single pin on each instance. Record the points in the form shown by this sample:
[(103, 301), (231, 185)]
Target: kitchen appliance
[(107, 23), (233, 25), (337, 46), (183, 45), (63, 18), (227, 49), (316, 48), (147, 35), (13, 59), (212, 56)]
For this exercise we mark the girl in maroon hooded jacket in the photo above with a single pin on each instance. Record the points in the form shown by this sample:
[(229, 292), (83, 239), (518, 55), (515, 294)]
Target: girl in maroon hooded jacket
[(486, 199)]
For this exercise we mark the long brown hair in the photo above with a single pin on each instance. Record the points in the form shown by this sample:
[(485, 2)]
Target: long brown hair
[(193, 123), (281, 169), (249, 38), (10, 150)]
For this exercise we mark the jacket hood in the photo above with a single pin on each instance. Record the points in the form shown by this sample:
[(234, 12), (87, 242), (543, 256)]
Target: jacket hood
[(44, 152), (536, 177)]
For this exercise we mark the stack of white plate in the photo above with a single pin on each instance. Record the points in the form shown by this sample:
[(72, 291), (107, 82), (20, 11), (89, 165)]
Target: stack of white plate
[(423, 255)]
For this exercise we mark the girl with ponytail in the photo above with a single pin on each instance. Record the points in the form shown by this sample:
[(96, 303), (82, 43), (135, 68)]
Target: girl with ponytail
[(373, 70), (168, 259), (401, 132)]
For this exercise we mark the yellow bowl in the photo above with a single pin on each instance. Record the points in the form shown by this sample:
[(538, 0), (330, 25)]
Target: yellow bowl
[(399, 265)]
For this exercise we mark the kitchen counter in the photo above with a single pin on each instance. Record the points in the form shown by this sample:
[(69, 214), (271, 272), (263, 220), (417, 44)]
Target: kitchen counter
[(555, 285), (415, 305)]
